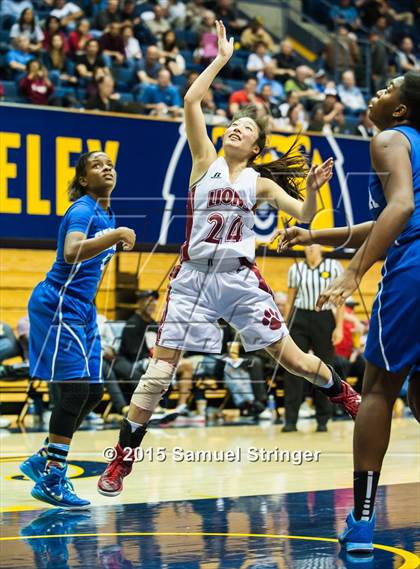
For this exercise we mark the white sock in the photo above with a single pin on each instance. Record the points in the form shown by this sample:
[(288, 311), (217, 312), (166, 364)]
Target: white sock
[(134, 426)]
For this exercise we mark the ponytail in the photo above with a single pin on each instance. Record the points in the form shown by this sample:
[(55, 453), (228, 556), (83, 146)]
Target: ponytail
[(288, 171), (75, 190)]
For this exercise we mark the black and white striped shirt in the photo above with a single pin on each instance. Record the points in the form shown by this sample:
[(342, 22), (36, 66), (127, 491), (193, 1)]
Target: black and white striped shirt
[(311, 282)]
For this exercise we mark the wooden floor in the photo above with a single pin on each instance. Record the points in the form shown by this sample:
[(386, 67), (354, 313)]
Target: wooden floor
[(183, 510)]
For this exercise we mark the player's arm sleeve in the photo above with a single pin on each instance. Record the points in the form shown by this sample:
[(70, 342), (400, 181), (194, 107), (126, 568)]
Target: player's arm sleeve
[(79, 218)]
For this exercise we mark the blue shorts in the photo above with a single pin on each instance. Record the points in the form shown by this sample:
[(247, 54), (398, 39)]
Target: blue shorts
[(394, 334), (64, 341)]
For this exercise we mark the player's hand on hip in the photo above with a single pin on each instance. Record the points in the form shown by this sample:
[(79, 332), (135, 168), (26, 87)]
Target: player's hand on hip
[(319, 175), (127, 238), (225, 46), (291, 236), (338, 291)]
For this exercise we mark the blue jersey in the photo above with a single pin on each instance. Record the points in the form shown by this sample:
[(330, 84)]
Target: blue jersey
[(82, 279), (377, 200)]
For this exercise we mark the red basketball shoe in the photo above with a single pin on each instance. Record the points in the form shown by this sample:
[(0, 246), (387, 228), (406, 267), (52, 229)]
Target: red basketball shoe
[(111, 481)]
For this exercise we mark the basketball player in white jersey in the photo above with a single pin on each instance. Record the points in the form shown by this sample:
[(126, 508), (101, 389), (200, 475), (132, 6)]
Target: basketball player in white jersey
[(217, 277)]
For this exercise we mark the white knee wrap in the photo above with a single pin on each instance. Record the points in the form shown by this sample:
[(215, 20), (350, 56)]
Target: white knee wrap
[(153, 384)]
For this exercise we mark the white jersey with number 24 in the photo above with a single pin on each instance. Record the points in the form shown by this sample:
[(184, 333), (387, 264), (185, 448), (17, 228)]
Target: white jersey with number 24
[(220, 215)]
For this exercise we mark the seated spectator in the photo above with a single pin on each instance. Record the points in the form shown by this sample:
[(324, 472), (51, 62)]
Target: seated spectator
[(177, 13), (56, 62), (258, 59), (207, 50), (286, 59), (86, 63), (195, 14), (159, 24), (365, 128), (296, 119), (79, 38), (111, 14), (207, 23), (105, 99), (342, 51), (331, 106), (149, 66), (27, 26), (405, 58), (36, 85), (300, 85), (316, 121), (191, 77), (67, 13), (170, 56), (18, 57), (131, 45), (129, 17), (51, 27), (270, 101), (254, 33), (383, 29), (226, 12), (112, 45), (9, 346), (291, 99), (321, 81), (345, 14), (143, 34), (350, 95), (212, 114), (92, 86), (163, 98), (379, 61), (244, 97), (267, 77), (12, 9)]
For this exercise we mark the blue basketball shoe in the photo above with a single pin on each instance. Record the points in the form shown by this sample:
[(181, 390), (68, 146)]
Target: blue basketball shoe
[(54, 488), (34, 466), (358, 535)]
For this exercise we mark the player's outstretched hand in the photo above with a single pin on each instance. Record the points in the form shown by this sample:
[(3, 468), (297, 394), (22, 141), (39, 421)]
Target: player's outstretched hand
[(291, 236), (225, 46), (319, 175), (339, 290), (127, 238)]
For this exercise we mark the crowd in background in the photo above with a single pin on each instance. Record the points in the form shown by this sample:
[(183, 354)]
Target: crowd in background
[(141, 56)]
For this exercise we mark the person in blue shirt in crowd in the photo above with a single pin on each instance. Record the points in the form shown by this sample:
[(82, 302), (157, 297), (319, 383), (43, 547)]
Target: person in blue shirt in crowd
[(64, 342), (18, 57), (162, 98)]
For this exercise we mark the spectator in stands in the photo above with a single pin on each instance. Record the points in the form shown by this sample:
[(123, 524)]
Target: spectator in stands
[(177, 13), (27, 26), (254, 33), (350, 95), (207, 23), (79, 38), (159, 25), (405, 58), (316, 121), (86, 63), (244, 97), (112, 45), (195, 13), (18, 57), (286, 59), (296, 119), (345, 13), (104, 100), (131, 44), (259, 58), (56, 62), (299, 84), (271, 102), (149, 66), (9, 346), (67, 12), (163, 98), (384, 29), (342, 51), (379, 61), (143, 34), (36, 85), (92, 86), (191, 77), (291, 99), (212, 114), (128, 14), (170, 58), (226, 12), (51, 27), (320, 80), (365, 128), (111, 14), (267, 77), (12, 9)]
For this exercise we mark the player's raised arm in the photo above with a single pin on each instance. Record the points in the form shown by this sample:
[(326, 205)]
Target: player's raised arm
[(202, 149)]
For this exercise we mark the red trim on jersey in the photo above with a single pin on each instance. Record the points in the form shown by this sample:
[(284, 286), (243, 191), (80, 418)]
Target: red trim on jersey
[(261, 282), (173, 274), (190, 212)]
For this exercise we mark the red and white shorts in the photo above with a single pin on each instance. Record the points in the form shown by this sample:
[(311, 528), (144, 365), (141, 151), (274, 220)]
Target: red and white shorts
[(198, 298)]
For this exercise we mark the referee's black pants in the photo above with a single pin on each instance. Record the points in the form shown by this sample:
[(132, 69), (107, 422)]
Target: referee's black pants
[(310, 330)]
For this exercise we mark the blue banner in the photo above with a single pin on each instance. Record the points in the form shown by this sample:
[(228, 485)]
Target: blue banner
[(39, 149)]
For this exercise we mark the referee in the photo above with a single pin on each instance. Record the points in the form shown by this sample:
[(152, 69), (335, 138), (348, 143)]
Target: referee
[(311, 330)]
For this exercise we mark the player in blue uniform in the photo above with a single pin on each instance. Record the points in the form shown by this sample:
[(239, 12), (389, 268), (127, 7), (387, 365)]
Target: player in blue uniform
[(64, 343), (393, 346)]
